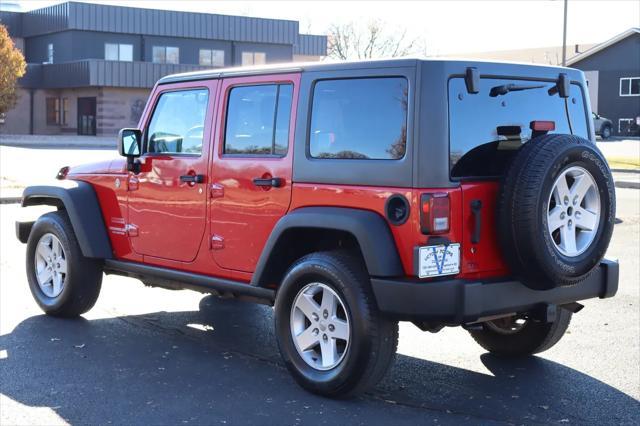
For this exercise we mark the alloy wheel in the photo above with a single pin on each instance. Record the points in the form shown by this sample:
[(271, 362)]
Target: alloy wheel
[(320, 326), (574, 211), (50, 265)]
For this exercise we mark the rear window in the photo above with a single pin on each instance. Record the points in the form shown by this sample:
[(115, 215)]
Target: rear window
[(485, 131), (359, 119)]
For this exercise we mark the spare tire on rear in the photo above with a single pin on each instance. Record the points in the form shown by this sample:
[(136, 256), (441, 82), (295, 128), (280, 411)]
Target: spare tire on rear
[(556, 211)]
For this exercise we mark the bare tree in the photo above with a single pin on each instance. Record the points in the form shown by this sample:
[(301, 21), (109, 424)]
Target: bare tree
[(372, 40)]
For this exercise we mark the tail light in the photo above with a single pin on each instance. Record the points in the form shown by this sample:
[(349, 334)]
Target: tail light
[(62, 173), (435, 213)]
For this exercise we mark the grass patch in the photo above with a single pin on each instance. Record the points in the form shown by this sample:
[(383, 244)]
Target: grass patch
[(629, 163)]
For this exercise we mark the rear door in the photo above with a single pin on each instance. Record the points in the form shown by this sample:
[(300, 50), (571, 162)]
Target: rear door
[(486, 130), (167, 199), (251, 170)]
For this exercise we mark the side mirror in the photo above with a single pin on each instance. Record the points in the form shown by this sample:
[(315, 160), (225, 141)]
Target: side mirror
[(130, 143), (130, 146)]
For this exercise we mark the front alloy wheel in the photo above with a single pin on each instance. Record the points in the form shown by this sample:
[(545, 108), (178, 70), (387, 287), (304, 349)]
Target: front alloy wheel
[(51, 265)]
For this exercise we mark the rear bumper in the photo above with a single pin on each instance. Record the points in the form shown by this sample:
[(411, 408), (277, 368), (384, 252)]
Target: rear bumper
[(463, 301)]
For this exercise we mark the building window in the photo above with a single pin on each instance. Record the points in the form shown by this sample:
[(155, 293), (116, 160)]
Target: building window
[(65, 111), (258, 120), (49, 53), (630, 86), (340, 130), (628, 126), (213, 58), (166, 55), (118, 52), (53, 111), (254, 58)]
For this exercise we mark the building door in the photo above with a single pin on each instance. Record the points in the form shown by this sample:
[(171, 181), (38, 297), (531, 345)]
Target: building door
[(168, 197), (87, 116), (251, 171)]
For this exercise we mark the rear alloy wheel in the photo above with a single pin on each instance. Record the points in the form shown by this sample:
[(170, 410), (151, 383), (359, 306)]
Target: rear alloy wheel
[(320, 326), (331, 336)]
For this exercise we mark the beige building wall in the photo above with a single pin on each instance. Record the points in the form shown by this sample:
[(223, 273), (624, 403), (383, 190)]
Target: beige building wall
[(115, 108), (307, 58), (118, 108), (551, 55), (16, 120)]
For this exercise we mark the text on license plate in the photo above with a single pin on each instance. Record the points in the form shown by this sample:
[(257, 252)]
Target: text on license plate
[(439, 260)]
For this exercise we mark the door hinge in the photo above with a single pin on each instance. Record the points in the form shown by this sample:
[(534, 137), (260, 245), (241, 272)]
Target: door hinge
[(216, 190), (217, 242), (132, 183), (132, 230)]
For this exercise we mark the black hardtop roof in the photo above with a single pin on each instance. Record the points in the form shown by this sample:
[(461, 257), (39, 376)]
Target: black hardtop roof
[(484, 67)]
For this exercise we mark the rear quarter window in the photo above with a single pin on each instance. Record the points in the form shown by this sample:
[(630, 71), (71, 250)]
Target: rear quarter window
[(363, 118), (485, 131)]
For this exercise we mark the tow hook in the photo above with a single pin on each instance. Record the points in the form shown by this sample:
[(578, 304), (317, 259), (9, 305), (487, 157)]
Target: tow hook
[(573, 307)]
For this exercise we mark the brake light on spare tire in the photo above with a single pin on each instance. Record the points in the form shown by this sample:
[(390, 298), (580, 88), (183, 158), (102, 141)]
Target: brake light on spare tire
[(435, 212)]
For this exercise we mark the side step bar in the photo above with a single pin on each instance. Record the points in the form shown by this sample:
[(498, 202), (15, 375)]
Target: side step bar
[(173, 279)]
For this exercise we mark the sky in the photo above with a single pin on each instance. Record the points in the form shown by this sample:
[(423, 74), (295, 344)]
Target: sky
[(446, 27)]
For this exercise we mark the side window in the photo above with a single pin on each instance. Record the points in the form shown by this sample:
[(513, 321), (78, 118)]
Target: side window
[(359, 119), (177, 124), (258, 120)]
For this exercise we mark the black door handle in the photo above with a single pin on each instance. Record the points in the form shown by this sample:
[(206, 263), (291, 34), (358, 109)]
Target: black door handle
[(192, 178), (270, 182)]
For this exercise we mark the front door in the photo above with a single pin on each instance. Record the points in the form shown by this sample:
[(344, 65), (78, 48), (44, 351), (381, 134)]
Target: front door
[(87, 116), (251, 171), (167, 199)]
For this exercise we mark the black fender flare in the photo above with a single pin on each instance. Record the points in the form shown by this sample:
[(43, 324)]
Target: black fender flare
[(369, 229), (79, 200)]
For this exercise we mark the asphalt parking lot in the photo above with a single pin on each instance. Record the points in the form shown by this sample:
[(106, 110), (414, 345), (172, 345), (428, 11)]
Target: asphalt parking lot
[(155, 356), (152, 356)]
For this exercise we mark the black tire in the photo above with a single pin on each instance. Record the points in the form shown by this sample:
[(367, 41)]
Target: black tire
[(83, 280), (373, 338), (605, 131), (524, 203), (534, 337)]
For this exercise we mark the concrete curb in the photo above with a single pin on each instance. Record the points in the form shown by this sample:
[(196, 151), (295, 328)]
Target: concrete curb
[(10, 200), (98, 146), (625, 170), (625, 184)]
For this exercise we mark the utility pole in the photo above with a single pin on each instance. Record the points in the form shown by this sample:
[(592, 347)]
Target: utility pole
[(564, 36)]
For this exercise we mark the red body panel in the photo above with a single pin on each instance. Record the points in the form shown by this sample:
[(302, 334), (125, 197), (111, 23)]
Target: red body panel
[(243, 214), (484, 259), (220, 227), (167, 214)]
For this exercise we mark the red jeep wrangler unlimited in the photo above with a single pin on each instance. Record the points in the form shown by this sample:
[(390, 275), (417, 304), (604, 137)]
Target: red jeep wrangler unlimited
[(351, 196)]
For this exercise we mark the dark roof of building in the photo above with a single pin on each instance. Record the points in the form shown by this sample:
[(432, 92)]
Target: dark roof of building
[(597, 48), (133, 20)]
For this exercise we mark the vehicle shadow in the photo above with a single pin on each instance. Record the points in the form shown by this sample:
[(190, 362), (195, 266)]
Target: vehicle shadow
[(221, 364)]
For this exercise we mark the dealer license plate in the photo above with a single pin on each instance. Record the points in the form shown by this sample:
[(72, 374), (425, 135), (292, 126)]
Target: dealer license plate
[(439, 260)]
